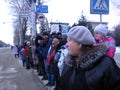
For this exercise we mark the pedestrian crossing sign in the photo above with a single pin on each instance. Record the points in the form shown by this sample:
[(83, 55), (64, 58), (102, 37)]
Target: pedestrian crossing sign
[(99, 6)]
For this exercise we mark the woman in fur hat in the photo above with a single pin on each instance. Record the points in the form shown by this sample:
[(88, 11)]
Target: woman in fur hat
[(86, 66)]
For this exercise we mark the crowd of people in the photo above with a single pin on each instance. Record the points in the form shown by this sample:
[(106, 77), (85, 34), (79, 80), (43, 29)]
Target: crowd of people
[(76, 61)]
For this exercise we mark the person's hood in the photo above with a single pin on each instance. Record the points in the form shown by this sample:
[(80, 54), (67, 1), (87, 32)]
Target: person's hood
[(89, 58)]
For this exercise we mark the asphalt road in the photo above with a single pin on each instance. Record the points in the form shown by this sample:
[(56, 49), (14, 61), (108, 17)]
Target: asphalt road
[(14, 76)]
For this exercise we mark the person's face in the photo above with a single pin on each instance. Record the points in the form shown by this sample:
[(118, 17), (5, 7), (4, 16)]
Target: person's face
[(73, 47), (38, 41), (55, 42), (99, 38), (98, 35), (45, 37), (53, 36)]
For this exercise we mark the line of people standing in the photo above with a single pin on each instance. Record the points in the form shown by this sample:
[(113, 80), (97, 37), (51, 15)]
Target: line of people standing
[(40, 54), (46, 48), (79, 62)]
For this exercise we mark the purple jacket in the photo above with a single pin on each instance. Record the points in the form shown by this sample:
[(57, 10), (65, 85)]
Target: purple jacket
[(15, 50)]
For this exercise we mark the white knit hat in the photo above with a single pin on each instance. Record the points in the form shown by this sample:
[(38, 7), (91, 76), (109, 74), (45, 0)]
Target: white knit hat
[(81, 35), (101, 29)]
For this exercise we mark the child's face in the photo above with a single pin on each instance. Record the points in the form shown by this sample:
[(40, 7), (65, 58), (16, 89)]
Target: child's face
[(98, 37)]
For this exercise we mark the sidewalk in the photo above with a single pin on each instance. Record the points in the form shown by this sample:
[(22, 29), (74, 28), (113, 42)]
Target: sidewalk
[(44, 82)]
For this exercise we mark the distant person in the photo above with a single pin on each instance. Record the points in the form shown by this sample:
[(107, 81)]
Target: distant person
[(11, 47), (86, 66), (26, 53), (51, 65), (15, 51), (45, 45), (22, 56), (101, 36)]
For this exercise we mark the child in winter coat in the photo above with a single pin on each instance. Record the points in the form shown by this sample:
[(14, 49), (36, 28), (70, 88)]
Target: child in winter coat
[(22, 56), (101, 36)]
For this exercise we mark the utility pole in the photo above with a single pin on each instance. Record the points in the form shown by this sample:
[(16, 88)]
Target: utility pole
[(33, 20), (100, 18), (39, 2), (41, 26)]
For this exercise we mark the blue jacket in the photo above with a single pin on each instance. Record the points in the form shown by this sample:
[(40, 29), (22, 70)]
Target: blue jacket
[(44, 48)]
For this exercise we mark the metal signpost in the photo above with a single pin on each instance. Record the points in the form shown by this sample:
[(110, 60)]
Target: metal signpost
[(40, 9), (33, 21), (99, 7)]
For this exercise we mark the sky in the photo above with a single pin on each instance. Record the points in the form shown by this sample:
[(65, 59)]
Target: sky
[(71, 10), (6, 29), (68, 11)]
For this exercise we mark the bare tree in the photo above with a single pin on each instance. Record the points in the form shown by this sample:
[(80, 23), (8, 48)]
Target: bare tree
[(20, 24), (24, 28), (116, 3), (115, 6), (117, 34), (13, 11)]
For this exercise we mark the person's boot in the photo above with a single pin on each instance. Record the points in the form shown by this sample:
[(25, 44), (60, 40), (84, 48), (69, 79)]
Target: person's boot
[(44, 77), (40, 74), (23, 64), (52, 84), (48, 84), (28, 67)]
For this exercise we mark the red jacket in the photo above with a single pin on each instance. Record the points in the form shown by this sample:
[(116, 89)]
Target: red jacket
[(26, 51)]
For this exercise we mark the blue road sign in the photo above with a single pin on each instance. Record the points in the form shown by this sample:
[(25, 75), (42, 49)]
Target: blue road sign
[(41, 8), (99, 6)]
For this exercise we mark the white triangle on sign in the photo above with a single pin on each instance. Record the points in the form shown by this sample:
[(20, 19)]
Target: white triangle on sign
[(101, 5)]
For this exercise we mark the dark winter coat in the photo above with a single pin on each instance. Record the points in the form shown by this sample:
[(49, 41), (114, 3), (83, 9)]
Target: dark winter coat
[(94, 72), (45, 47)]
